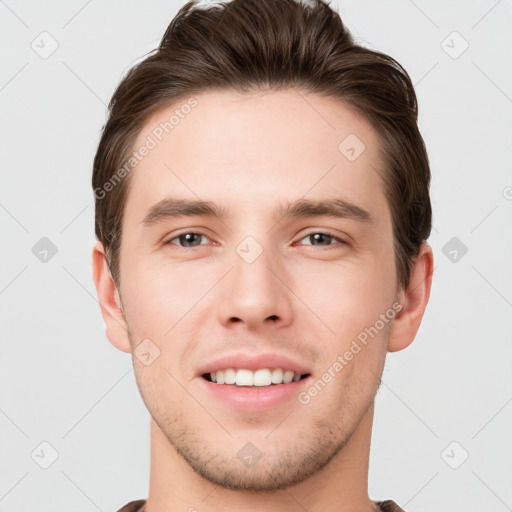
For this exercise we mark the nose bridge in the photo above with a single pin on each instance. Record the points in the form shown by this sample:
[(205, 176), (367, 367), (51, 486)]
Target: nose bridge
[(253, 294)]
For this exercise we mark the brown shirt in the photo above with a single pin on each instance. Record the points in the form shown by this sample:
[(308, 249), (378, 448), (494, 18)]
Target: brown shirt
[(138, 506)]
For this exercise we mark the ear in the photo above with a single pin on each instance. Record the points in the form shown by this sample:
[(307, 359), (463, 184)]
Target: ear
[(110, 302), (414, 300)]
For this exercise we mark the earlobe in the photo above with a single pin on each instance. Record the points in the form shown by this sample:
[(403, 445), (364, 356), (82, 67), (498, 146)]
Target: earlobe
[(414, 300), (110, 301)]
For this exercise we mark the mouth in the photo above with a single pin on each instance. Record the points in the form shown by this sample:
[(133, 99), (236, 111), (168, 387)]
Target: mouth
[(251, 392), (262, 378)]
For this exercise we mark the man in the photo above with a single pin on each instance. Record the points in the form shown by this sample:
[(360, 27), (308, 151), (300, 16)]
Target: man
[(262, 211)]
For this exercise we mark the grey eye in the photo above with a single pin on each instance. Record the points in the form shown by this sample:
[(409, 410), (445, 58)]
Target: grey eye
[(188, 239)]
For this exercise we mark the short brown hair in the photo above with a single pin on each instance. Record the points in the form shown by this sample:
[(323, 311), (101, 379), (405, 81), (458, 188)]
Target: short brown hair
[(249, 45)]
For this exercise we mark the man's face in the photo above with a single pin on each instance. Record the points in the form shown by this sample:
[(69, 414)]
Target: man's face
[(255, 282)]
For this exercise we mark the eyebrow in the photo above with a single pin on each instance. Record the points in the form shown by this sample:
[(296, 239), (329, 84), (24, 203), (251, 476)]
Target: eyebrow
[(172, 207)]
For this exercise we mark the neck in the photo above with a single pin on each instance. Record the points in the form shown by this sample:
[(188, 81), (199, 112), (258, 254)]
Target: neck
[(340, 486)]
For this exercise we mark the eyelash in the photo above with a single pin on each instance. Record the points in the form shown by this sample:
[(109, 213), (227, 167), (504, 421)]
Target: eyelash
[(323, 232)]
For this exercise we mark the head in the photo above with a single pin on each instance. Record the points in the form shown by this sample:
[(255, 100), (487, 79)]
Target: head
[(262, 187)]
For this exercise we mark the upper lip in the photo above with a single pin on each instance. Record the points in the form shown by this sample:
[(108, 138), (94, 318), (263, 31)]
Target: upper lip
[(252, 362)]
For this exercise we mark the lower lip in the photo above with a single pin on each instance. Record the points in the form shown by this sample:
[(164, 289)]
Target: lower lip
[(254, 398)]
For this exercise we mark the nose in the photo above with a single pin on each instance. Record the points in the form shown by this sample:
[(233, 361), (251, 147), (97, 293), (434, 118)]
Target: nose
[(256, 294)]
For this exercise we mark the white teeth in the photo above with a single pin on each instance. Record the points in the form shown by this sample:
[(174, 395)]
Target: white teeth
[(277, 376), (229, 376), (243, 378), (263, 377), (288, 377)]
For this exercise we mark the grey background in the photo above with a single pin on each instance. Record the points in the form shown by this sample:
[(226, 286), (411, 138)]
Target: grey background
[(61, 381)]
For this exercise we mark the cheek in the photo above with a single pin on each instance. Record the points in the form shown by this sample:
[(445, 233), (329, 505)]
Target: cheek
[(347, 300), (346, 293), (154, 301)]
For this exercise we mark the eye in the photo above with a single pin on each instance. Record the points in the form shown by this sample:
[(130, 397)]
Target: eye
[(187, 240), (321, 238)]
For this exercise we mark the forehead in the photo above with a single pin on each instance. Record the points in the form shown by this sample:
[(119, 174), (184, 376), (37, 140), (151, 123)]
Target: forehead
[(240, 148)]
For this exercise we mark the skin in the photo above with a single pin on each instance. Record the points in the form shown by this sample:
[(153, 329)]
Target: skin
[(251, 153)]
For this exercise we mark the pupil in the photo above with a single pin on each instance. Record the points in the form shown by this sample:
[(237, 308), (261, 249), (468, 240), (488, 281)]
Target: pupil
[(185, 239), (316, 237)]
